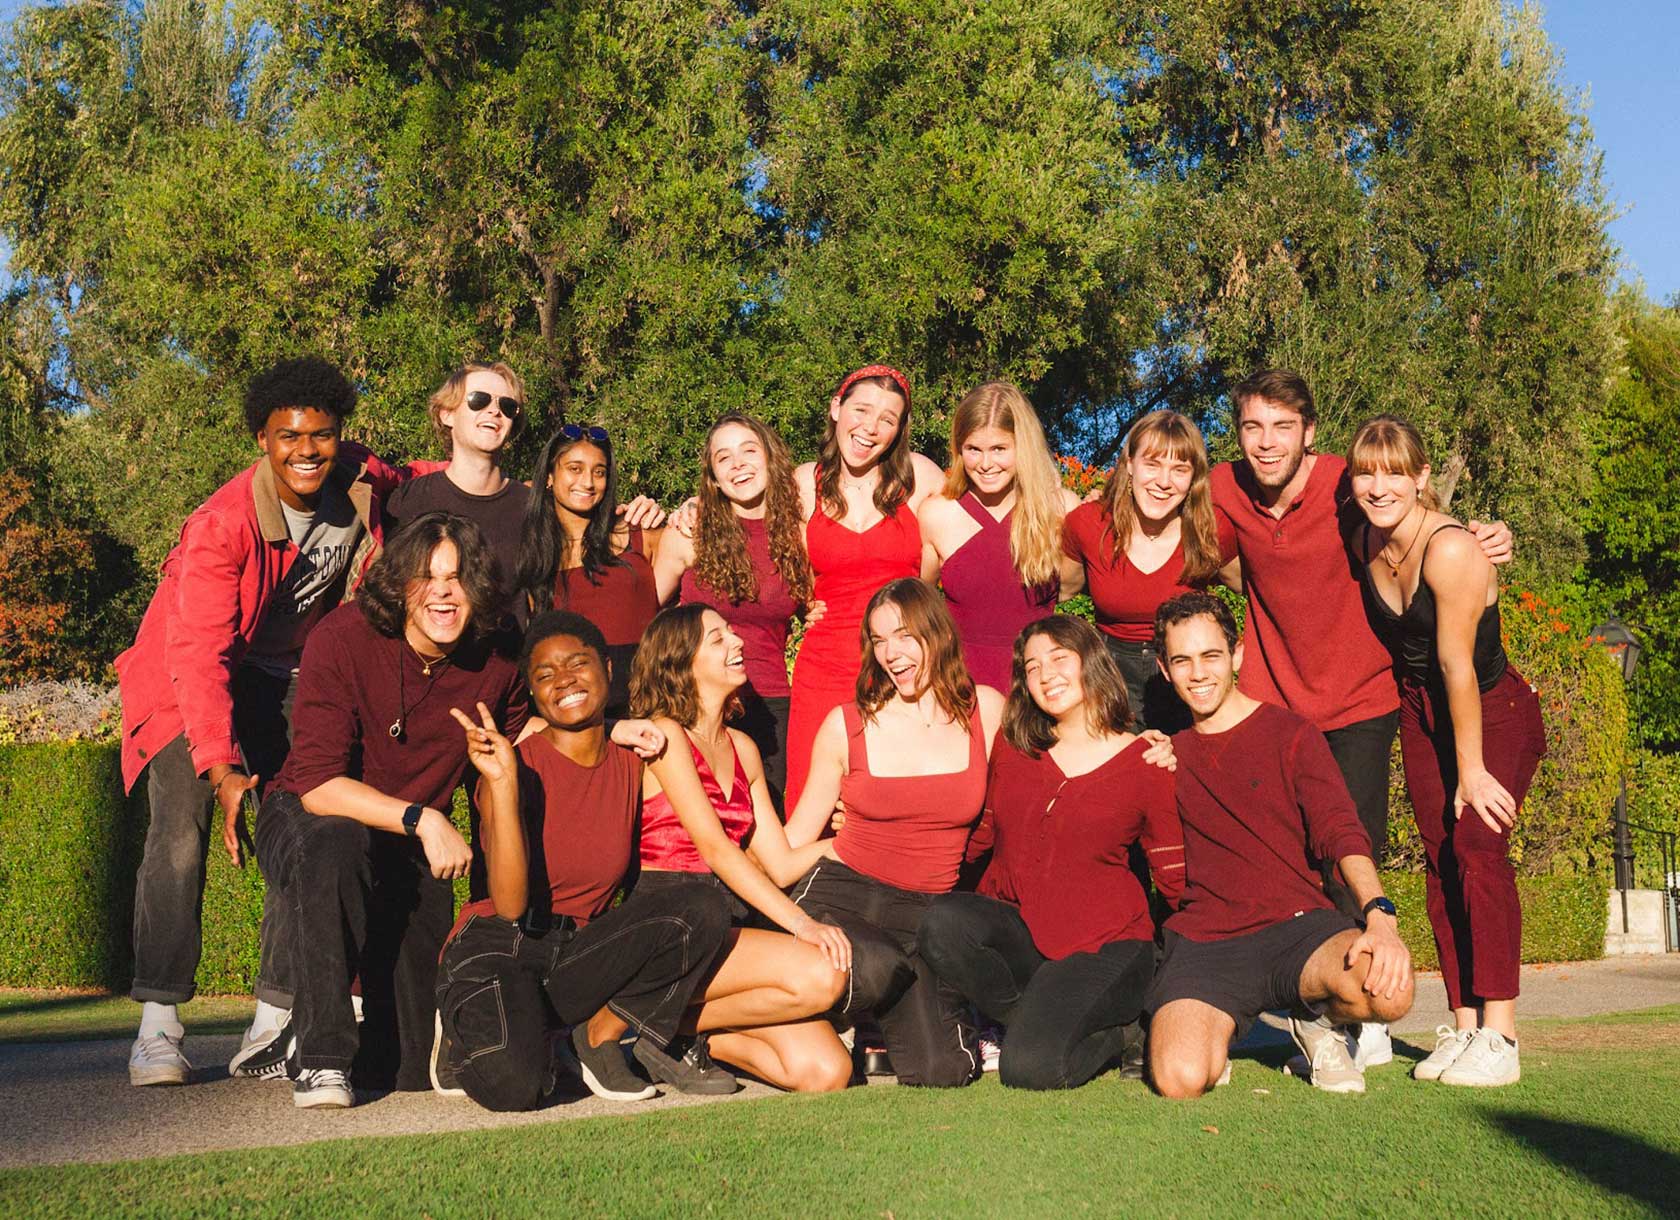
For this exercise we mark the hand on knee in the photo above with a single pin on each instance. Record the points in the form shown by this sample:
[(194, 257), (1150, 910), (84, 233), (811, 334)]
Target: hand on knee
[(819, 987)]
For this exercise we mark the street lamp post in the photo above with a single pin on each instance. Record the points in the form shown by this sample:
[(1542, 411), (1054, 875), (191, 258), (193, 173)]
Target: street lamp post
[(1623, 645)]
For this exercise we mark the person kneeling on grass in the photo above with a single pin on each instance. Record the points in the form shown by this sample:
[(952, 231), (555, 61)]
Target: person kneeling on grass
[(1260, 798), (557, 826), (1058, 945)]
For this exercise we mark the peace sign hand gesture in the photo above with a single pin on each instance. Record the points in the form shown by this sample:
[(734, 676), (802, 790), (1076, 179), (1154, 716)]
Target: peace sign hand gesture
[(487, 749)]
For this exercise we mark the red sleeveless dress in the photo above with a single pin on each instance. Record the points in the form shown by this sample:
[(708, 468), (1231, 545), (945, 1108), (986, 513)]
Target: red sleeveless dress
[(988, 600), (847, 566)]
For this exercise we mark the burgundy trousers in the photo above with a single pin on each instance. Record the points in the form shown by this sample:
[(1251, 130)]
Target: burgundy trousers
[(1471, 886)]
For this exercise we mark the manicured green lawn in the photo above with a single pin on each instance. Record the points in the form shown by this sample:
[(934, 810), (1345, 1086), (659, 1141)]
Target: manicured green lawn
[(67, 1016), (1593, 1129)]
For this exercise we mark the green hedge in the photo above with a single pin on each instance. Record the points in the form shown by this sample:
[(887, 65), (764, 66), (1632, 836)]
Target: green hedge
[(70, 843), (1563, 917)]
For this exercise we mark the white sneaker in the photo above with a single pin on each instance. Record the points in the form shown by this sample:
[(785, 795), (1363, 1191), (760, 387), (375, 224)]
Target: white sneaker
[(1329, 1058), (1450, 1042), (1224, 1076), (1372, 1047), (157, 1059), (322, 1088), (1489, 1060), (991, 1048)]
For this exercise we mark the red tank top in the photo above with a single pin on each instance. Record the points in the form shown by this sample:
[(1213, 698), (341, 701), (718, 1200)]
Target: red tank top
[(988, 600), (666, 845), (761, 623), (909, 831), (621, 599)]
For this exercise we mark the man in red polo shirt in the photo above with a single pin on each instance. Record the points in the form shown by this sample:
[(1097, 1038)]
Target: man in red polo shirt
[(1308, 644)]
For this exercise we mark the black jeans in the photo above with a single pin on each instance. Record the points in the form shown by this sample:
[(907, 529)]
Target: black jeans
[(1066, 1018), (645, 959), (766, 721), (169, 887), (1154, 703), (1362, 751), (362, 903), (924, 1021)]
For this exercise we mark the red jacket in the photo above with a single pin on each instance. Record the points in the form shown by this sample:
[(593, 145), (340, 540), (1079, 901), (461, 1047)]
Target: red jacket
[(216, 584)]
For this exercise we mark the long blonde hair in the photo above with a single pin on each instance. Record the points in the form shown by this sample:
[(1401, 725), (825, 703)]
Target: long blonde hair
[(1035, 535), (1181, 441)]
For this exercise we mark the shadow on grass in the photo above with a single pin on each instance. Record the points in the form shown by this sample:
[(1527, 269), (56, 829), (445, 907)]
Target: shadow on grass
[(1614, 1161), (18, 1005)]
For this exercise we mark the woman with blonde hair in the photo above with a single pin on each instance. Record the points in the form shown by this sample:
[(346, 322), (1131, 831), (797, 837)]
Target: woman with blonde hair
[(1152, 536), (746, 560), (996, 527), (1471, 738)]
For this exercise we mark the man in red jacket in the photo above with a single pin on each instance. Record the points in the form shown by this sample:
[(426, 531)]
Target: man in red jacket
[(207, 686)]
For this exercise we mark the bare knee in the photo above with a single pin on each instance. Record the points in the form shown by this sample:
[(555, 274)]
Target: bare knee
[(818, 986), (1177, 1077), (827, 1072)]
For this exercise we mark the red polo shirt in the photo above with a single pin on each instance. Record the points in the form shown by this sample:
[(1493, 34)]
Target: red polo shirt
[(1307, 644)]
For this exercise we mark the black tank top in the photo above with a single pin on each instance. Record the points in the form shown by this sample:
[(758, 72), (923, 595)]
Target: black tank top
[(1410, 636)]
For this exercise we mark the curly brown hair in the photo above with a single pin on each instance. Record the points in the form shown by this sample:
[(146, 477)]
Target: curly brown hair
[(898, 476), (1032, 730), (720, 544), (927, 619), (662, 679), (407, 557)]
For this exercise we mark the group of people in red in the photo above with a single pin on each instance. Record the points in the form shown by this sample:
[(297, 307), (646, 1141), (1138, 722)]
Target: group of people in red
[(1110, 845)]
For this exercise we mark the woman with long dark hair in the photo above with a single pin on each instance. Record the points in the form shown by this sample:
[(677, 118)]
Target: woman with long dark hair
[(1152, 536), (1471, 738), (1058, 945), (577, 555), (747, 561), (996, 527), (859, 499), (908, 756)]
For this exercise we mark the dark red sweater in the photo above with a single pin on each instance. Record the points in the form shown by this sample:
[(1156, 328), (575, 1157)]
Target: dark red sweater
[(1307, 643), (1260, 804), (348, 694), (1060, 846)]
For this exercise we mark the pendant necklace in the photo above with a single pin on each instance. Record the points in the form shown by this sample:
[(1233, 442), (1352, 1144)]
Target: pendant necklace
[(426, 668), (1394, 565)]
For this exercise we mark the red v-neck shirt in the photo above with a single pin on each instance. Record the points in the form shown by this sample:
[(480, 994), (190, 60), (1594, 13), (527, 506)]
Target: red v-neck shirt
[(1307, 644), (1125, 598)]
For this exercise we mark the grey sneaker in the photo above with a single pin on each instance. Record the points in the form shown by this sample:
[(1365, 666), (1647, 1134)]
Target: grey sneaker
[(157, 1059), (262, 1055), (1450, 1042), (1329, 1059), (693, 1072), (605, 1071), (446, 1074), (322, 1089), (1488, 1061)]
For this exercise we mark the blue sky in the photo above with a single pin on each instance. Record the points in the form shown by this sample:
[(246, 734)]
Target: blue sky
[(1622, 55)]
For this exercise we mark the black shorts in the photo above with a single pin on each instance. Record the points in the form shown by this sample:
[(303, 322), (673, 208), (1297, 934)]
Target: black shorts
[(1244, 976)]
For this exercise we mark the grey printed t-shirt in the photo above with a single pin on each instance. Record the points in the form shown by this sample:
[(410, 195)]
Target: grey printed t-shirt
[(326, 540)]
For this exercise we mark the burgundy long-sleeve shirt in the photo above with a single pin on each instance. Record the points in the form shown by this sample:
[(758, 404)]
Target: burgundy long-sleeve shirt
[(1060, 846), (349, 693), (1260, 804)]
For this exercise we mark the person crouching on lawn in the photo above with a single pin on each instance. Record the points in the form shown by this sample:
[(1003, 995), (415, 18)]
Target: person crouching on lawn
[(356, 835), (1260, 799), (557, 826)]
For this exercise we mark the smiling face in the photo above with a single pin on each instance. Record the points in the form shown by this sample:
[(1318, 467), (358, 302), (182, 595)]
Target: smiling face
[(866, 423), (988, 458), (1387, 497), (485, 430), (569, 681), (578, 479), (301, 444), (739, 464), (1159, 481), (1200, 664), (1055, 677), (899, 653), (719, 661), (1274, 441), (438, 608)]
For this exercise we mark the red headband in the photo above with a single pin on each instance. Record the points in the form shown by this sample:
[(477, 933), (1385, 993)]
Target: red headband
[(877, 370)]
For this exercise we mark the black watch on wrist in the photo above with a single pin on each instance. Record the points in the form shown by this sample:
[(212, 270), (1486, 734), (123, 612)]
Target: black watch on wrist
[(411, 822), (1380, 904)]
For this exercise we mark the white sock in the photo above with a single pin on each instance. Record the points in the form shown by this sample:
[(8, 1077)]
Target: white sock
[(268, 1017), (159, 1019)]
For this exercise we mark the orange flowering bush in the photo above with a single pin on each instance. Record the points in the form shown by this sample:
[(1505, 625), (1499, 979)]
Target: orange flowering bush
[(1079, 478)]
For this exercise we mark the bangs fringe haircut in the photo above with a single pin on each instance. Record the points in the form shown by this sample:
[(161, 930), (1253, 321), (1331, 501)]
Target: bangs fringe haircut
[(1389, 444), (1181, 440)]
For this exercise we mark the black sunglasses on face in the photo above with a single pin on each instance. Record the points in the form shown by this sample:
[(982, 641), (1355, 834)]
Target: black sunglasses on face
[(479, 399), (577, 432)]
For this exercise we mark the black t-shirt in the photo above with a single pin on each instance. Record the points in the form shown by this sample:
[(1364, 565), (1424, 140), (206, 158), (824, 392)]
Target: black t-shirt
[(500, 516)]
